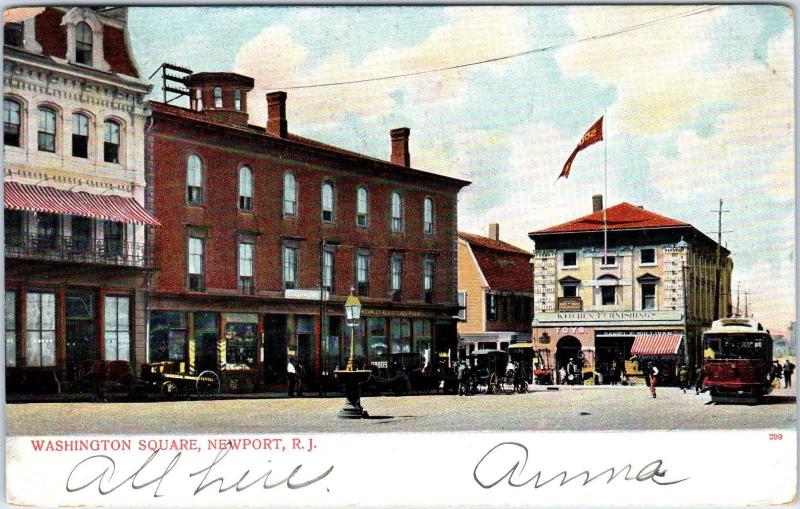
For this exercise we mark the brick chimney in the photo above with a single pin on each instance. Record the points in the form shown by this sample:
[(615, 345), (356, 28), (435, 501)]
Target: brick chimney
[(597, 203), (276, 114), (494, 231), (400, 155)]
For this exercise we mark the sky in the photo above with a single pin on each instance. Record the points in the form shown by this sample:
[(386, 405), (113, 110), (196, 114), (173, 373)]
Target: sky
[(698, 105)]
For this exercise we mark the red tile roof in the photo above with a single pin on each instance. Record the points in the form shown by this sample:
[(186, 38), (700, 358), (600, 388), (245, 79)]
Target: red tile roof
[(619, 217), (505, 267)]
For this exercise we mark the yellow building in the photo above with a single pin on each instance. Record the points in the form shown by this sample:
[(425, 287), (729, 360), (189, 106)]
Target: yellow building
[(647, 297)]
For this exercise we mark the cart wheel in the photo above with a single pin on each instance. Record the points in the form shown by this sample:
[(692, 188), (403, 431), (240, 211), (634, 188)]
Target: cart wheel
[(169, 390), (208, 384)]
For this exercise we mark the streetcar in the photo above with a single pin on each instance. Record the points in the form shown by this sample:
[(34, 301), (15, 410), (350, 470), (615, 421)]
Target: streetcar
[(737, 363)]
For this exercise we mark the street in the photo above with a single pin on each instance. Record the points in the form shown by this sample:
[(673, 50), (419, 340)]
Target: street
[(595, 409)]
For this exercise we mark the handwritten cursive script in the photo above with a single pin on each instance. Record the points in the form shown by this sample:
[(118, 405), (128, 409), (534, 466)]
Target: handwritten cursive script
[(508, 460), (100, 469)]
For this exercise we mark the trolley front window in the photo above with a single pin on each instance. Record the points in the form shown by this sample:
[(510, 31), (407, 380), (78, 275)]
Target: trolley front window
[(737, 346)]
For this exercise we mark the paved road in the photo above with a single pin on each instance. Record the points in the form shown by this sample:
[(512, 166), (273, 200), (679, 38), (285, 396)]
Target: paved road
[(598, 409)]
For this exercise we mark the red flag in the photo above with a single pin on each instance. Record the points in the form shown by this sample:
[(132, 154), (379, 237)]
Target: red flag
[(592, 136)]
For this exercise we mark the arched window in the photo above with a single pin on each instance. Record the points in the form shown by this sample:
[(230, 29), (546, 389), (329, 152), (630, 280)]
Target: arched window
[(245, 189), (217, 97), (397, 212), (237, 100), (289, 195), (83, 44), (80, 135), (427, 219), (111, 141), (362, 207), (47, 130), (327, 201), (12, 112), (194, 180)]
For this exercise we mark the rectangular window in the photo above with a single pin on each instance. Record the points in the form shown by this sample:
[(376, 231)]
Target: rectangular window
[(648, 295), (11, 122), (362, 207), (196, 265), (491, 307), (570, 289), (217, 97), (198, 99), (11, 329), (237, 100), (647, 256), (241, 343), (362, 274), (327, 270), (396, 268), (111, 142), (80, 136), (289, 267), (569, 259), (608, 295), (427, 279), (168, 336), (117, 329), (13, 34), (246, 268), (47, 130), (608, 261), (462, 303), (401, 335), (40, 329)]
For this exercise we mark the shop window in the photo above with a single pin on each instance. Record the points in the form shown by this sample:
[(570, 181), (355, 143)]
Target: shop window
[(362, 274), (327, 270), (427, 279), (47, 130), (111, 141), (289, 266), (168, 336), (83, 44), (376, 339), (327, 202), (12, 115), (397, 212), (196, 264), (423, 339), (237, 100), (241, 342), (40, 329), (362, 207), (401, 335), (217, 97), (427, 219), (11, 329), (289, 195), (648, 295), (194, 180), (80, 135), (491, 306), (117, 328), (647, 256), (245, 189), (245, 255), (80, 328), (13, 34)]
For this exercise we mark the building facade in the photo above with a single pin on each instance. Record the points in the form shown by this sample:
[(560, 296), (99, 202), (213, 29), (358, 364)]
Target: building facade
[(264, 233), (649, 296), (495, 285), (75, 256)]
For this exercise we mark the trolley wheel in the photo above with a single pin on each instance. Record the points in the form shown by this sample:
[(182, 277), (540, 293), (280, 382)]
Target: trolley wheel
[(208, 384), (169, 390)]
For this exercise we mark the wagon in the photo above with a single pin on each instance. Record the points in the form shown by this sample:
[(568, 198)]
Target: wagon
[(488, 372), (169, 380)]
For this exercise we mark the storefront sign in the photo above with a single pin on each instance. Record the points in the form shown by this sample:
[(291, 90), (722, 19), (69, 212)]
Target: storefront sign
[(402, 313), (305, 294), (609, 316)]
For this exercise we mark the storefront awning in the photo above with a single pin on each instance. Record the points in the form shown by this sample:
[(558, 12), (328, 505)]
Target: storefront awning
[(58, 201), (660, 343)]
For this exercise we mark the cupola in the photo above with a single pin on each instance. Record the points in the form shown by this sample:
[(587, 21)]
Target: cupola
[(222, 95)]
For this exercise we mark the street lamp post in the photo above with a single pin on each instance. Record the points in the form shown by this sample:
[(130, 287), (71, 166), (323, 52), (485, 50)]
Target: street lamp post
[(351, 377)]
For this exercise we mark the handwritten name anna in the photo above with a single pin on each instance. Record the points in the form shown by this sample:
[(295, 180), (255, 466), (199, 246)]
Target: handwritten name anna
[(100, 471), (509, 460)]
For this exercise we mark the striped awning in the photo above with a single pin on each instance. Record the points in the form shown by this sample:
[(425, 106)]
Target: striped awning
[(659, 343), (59, 201)]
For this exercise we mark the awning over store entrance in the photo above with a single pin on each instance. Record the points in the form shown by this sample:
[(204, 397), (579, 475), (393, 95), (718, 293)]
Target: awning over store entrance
[(58, 201), (660, 343)]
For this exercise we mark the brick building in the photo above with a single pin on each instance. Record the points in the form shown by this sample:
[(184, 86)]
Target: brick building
[(495, 282), (75, 258), (265, 232), (650, 295)]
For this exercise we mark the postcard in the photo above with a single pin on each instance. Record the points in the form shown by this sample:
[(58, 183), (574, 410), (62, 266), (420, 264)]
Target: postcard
[(412, 256)]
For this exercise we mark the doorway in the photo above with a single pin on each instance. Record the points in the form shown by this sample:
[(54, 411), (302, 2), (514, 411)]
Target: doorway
[(275, 357), (567, 349), (82, 346)]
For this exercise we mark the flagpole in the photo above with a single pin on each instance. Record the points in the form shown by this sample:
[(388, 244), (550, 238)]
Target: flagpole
[(605, 192)]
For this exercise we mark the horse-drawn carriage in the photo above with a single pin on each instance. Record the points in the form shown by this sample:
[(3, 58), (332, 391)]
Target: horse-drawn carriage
[(402, 373), (491, 373)]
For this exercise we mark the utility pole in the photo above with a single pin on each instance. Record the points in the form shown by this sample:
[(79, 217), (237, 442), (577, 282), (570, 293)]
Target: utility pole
[(718, 269), (746, 307), (737, 299)]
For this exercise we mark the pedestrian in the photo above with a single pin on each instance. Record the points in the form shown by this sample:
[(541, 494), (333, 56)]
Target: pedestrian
[(788, 371), (698, 380), (300, 375), (463, 379), (571, 372), (652, 372), (562, 375), (683, 378), (291, 377), (777, 372)]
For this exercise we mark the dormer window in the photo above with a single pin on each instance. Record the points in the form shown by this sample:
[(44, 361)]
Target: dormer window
[(83, 43), (217, 97), (12, 34)]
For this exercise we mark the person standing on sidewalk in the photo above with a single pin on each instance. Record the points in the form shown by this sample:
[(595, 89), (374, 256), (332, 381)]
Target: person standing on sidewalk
[(698, 381), (291, 377), (652, 372), (788, 371), (683, 378)]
